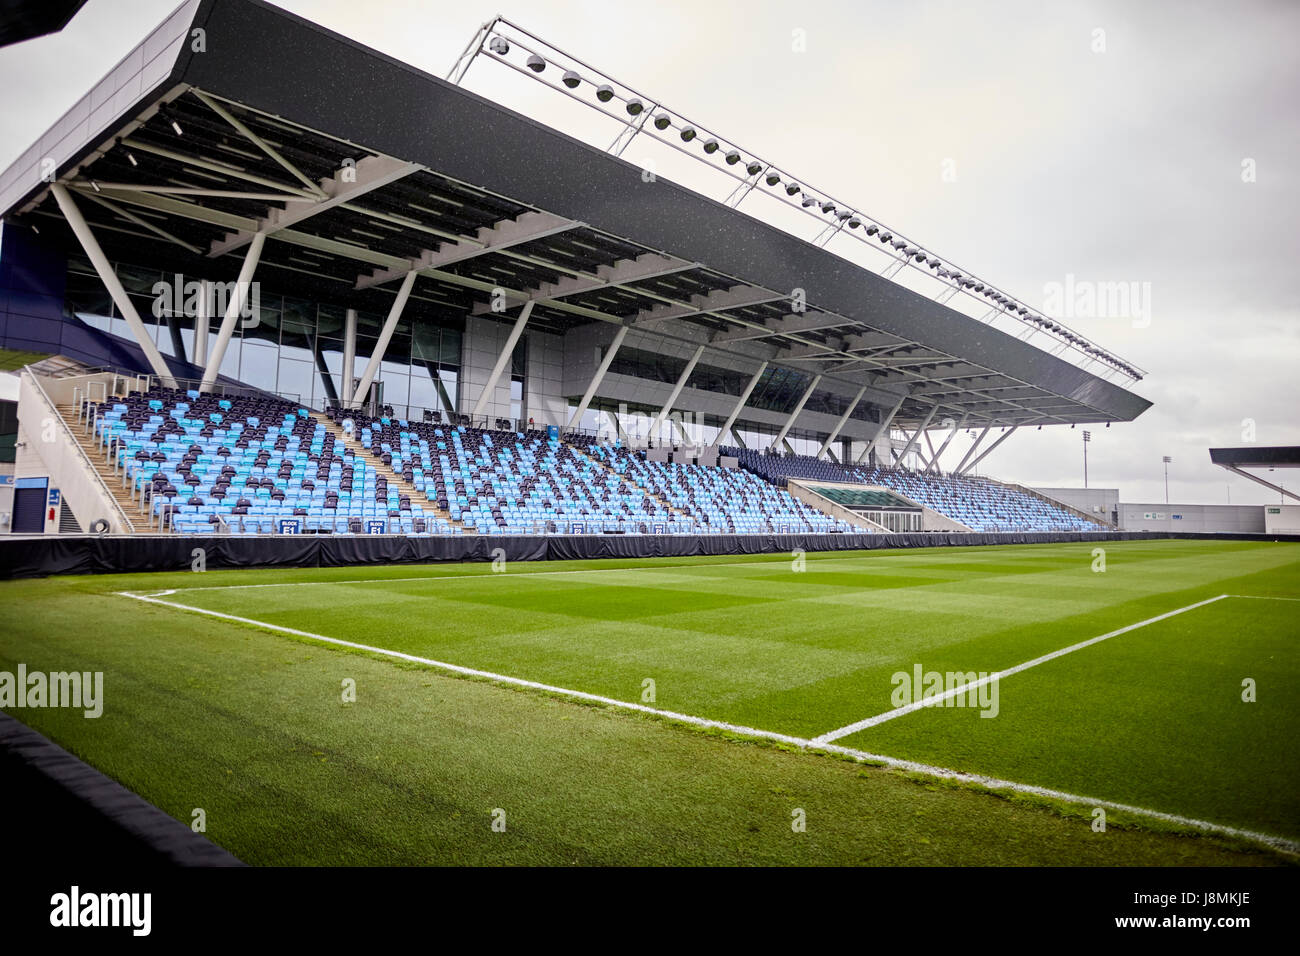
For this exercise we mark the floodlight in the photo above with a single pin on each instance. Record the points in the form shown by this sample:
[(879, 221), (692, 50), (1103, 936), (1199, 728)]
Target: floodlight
[(571, 80), (535, 63), (663, 121), (604, 92)]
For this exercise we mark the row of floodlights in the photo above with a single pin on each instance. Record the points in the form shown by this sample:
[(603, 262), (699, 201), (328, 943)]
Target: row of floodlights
[(662, 121)]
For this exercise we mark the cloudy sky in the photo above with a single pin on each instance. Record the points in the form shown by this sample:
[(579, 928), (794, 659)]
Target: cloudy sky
[(1154, 143)]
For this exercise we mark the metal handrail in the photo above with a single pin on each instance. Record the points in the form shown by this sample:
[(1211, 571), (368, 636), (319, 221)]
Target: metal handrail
[(36, 381)]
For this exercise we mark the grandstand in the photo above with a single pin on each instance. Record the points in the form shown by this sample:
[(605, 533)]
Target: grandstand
[(434, 486), (418, 336)]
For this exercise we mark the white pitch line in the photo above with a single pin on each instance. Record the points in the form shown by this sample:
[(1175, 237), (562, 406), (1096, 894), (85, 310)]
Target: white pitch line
[(931, 701), (1263, 597), (894, 763)]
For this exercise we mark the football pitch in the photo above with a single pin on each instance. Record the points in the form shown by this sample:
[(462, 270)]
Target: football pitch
[(703, 709)]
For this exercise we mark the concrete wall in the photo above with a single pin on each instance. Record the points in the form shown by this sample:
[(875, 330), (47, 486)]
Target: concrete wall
[(1086, 499), (48, 450), (480, 346), (1282, 519), (1163, 517), (544, 398)]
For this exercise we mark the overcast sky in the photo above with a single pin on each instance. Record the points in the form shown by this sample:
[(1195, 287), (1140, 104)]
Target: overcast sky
[(1156, 143)]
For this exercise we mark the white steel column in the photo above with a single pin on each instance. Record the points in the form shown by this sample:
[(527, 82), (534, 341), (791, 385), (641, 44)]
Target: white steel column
[(987, 451), (106, 275), (785, 429), (882, 431), (503, 359), (385, 336), (596, 379), (735, 412), (912, 441), (233, 308), (835, 432), (970, 451), (951, 435), (349, 357), (677, 390), (202, 325)]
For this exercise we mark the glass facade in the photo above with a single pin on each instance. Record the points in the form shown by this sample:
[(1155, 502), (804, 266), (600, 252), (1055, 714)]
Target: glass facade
[(292, 346)]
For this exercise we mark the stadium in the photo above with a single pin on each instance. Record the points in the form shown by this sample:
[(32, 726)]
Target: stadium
[(408, 481)]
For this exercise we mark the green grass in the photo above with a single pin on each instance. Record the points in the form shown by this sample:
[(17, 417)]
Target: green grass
[(249, 725)]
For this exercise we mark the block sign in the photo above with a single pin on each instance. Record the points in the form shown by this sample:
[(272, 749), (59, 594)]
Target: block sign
[(290, 526), (374, 527)]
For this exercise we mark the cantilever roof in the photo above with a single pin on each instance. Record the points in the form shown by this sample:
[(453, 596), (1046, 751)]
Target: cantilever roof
[(358, 168), (1275, 457)]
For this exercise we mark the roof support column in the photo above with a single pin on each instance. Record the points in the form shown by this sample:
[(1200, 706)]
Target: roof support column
[(349, 357), (735, 412), (987, 451), (1259, 481), (385, 336), (202, 322), (596, 379), (785, 429), (835, 432), (503, 359), (90, 245), (677, 390), (882, 431), (952, 434), (233, 308), (917, 434), (970, 451)]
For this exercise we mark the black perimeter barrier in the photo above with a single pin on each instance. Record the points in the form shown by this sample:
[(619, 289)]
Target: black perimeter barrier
[(89, 554), (70, 807)]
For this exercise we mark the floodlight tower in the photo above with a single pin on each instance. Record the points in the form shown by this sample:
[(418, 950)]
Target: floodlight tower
[(1167, 460), (1087, 437)]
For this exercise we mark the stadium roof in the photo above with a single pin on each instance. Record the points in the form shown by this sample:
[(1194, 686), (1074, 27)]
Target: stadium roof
[(1236, 460), (27, 19), (1286, 456), (234, 118)]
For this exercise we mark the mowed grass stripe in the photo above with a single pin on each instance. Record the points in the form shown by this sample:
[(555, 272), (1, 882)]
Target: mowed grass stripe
[(1154, 718), (249, 725), (736, 649)]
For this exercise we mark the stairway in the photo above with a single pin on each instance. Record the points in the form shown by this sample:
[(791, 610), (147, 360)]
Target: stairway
[(112, 480), (418, 498)]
